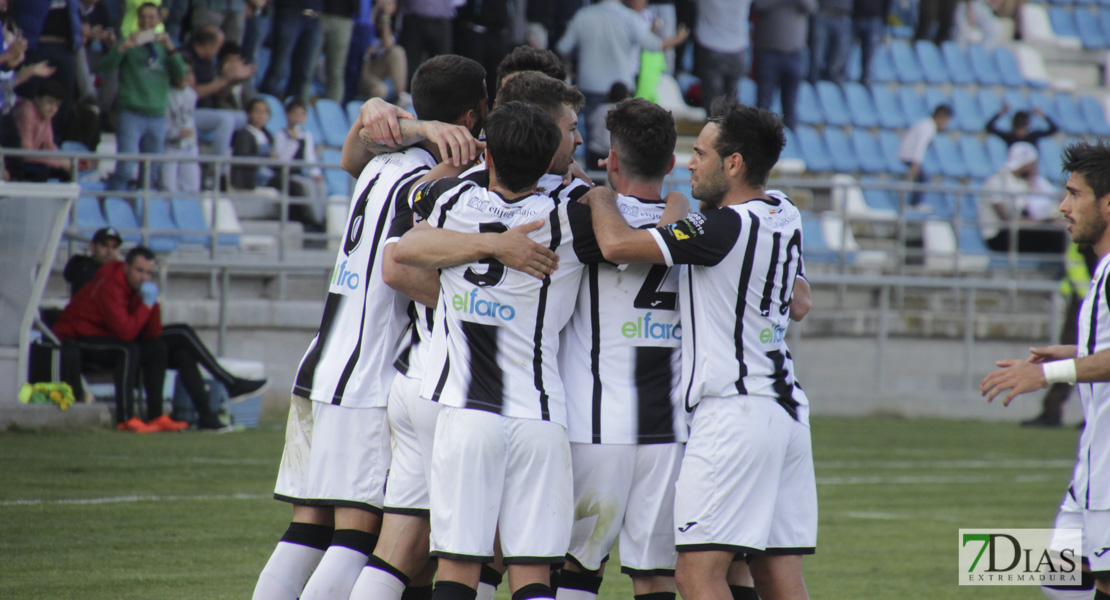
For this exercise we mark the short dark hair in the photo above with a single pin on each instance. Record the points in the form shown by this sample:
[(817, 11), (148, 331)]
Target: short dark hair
[(643, 135), (206, 35), (942, 110), (293, 103), (51, 89), (139, 251), (537, 89), (522, 140), (1092, 161), (253, 101), (753, 133), (1021, 120), (228, 50), (445, 87), (147, 5), (617, 92), (527, 58)]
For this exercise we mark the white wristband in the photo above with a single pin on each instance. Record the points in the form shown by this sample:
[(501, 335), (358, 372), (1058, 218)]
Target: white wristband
[(1060, 371)]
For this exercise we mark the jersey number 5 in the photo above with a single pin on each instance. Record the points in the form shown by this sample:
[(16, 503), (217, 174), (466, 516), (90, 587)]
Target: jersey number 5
[(495, 274), (650, 297)]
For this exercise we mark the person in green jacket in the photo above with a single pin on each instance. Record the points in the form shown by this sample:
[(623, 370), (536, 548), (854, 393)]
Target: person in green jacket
[(146, 61)]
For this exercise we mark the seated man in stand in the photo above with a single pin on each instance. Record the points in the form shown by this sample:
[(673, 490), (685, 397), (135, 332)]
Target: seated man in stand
[(81, 269)]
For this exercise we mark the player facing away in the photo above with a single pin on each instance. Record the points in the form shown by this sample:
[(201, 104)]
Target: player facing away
[(621, 363), (337, 448), (746, 483), (501, 458), (1086, 208)]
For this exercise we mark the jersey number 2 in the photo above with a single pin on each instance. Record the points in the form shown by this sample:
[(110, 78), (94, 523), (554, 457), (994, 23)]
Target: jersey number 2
[(650, 297), (495, 274)]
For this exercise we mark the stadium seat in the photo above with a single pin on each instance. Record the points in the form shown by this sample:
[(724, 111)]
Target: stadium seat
[(1008, 67), (792, 150), (1036, 26), (1049, 159), (338, 181), (1095, 115), (1032, 66), (934, 97), (1042, 100), (854, 67), (979, 164), (1090, 31), (889, 142), (161, 219), (906, 67), (1071, 116), (808, 108), (879, 199), (333, 123), (87, 214), (949, 157), (277, 113), (832, 104), (932, 161), (933, 67), (989, 104), (1063, 25), (887, 108), (119, 214), (1016, 99), (352, 111), (813, 148), (860, 106), (190, 216), (867, 151), (959, 69), (967, 114), (815, 247), (840, 151), (984, 66), (913, 105), (1104, 23), (312, 125), (996, 151)]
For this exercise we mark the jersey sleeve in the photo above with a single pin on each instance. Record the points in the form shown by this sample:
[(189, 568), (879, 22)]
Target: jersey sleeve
[(582, 230), (699, 239), (404, 218), (425, 197)]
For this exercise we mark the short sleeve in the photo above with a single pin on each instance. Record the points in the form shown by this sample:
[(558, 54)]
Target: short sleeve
[(403, 218), (699, 239), (582, 230), (431, 200)]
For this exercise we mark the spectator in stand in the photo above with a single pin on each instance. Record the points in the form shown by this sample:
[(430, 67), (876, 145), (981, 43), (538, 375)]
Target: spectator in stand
[(53, 32), (663, 11), (938, 14), (213, 79), (868, 21), (1018, 196), (259, 17), (14, 68), (174, 14), (830, 40), (146, 61), (598, 148), (915, 143), (99, 36), (384, 58), (975, 23), (426, 30), (182, 175), (229, 16), (34, 131), (780, 51), (296, 32), (103, 249), (130, 22), (482, 34), (233, 97), (296, 143), (336, 25), (253, 140), (1019, 127), (721, 43), (116, 321)]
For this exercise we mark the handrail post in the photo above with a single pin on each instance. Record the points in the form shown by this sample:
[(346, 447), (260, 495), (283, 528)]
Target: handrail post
[(221, 339)]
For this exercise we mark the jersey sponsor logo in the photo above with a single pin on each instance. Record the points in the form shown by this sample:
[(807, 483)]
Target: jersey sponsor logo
[(772, 335), (1101, 552), (687, 526), (692, 227), (643, 328), (342, 278), (472, 304), (500, 212)]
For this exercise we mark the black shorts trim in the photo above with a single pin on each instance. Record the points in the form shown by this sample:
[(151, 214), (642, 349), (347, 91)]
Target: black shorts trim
[(533, 560), (717, 547), (370, 508), (790, 551), (583, 568), (412, 512), (1100, 574), (647, 572), (462, 557)]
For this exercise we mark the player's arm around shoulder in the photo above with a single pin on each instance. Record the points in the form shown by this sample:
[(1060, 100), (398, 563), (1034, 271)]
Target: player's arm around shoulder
[(431, 248), (619, 242)]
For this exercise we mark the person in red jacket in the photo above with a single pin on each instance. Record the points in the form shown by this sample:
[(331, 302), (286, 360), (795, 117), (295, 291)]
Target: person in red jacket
[(116, 322)]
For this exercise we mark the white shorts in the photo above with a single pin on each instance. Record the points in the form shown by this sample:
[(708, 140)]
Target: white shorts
[(747, 482), (347, 464), (626, 491), (1096, 532), (412, 420), (491, 472)]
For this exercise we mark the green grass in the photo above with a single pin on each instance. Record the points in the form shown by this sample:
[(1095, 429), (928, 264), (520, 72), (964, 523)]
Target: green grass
[(98, 514)]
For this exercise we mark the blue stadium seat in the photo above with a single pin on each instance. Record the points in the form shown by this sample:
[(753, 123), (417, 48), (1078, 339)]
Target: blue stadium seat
[(1016, 99), (996, 151), (352, 109), (312, 125), (813, 148), (906, 67), (950, 157), (190, 217), (87, 214), (840, 151), (880, 199), (854, 67), (832, 104), (747, 91), (1008, 67), (1063, 25), (860, 105), (967, 114), (1042, 100), (808, 108), (333, 123), (934, 97), (1090, 32), (979, 164), (277, 113), (1049, 159), (1104, 22), (888, 108), (262, 60), (889, 142), (913, 105), (338, 181), (118, 213), (792, 149), (160, 218), (932, 161), (989, 103), (933, 67), (1071, 116), (959, 69), (1095, 115), (882, 66), (867, 150), (815, 247), (984, 66)]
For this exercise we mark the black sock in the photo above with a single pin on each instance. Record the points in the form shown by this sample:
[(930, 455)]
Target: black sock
[(1101, 595), (356, 540), (490, 576), (741, 592), (585, 582), (423, 592), (453, 590), (534, 590), (656, 596), (307, 534)]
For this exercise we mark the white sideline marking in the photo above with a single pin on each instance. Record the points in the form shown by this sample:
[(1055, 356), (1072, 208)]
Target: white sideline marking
[(1001, 463), (121, 499), (927, 479)]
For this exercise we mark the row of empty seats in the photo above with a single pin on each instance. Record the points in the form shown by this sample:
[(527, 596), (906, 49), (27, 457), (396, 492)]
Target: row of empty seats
[(1089, 24), (179, 221)]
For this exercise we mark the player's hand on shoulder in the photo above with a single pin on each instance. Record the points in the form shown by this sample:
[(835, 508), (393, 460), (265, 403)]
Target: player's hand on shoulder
[(380, 122), (519, 252), (456, 144), (576, 172)]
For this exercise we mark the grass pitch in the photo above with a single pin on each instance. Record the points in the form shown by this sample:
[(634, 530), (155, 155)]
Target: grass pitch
[(99, 514)]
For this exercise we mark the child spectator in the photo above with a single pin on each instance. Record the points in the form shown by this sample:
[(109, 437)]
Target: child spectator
[(182, 175), (294, 143), (253, 140), (598, 148), (34, 131)]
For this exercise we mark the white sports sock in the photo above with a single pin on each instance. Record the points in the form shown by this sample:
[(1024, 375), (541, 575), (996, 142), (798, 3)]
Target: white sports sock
[(569, 594), (1072, 594), (335, 575), (485, 591), (285, 573), (376, 584)]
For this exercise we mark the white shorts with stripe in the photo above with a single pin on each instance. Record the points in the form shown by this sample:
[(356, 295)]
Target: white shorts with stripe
[(412, 420), (625, 491), (492, 473), (334, 456), (1096, 532), (747, 482)]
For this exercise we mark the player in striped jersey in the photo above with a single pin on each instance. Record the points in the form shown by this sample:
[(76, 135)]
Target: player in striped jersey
[(1086, 506), (337, 439), (620, 363), (746, 482)]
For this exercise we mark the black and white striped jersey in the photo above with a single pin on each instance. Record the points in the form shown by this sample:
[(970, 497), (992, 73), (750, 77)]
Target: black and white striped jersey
[(349, 362), (620, 358), (735, 288), (495, 342), (1092, 473)]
